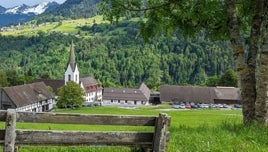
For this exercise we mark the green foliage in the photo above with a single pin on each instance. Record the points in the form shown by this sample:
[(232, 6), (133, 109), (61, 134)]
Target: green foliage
[(165, 17), (229, 78), (116, 57), (3, 79), (212, 81), (70, 95)]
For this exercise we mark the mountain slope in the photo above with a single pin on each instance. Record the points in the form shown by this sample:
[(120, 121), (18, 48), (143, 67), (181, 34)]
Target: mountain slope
[(114, 55), (73, 9), (2, 9), (23, 12)]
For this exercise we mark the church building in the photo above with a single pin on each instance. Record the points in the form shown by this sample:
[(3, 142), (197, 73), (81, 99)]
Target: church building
[(91, 87)]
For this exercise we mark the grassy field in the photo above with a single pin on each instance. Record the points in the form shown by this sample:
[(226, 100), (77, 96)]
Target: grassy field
[(66, 26), (190, 130)]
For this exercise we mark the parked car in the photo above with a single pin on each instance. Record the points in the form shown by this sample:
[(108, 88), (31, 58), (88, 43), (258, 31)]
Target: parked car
[(179, 106), (203, 105), (238, 106), (187, 106)]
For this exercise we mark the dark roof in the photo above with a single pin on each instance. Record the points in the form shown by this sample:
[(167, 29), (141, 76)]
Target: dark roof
[(123, 94), (72, 61), (90, 84), (171, 93), (227, 93), (88, 81), (54, 84), (23, 95), (145, 90)]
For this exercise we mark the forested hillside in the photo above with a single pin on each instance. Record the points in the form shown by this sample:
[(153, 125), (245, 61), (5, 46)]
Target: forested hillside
[(71, 9), (115, 56)]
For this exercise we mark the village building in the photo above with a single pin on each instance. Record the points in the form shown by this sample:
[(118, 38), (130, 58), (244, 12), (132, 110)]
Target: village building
[(34, 97), (126, 96), (193, 94), (93, 90)]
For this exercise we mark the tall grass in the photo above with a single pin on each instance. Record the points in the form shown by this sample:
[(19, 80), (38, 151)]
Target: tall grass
[(190, 131)]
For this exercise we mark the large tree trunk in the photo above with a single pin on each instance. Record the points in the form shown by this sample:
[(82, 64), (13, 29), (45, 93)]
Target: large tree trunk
[(262, 81), (246, 80), (262, 86)]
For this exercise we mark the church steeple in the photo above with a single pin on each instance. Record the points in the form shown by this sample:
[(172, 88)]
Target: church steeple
[(72, 73), (72, 61)]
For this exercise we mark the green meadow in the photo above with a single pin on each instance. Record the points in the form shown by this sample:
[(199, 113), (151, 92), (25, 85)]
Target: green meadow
[(190, 130)]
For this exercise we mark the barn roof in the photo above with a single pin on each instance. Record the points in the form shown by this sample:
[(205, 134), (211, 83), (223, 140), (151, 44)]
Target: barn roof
[(227, 93), (172, 93), (54, 84), (23, 95), (145, 90), (123, 94)]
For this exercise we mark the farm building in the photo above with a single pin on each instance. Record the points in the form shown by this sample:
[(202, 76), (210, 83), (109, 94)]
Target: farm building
[(172, 93), (126, 96), (29, 97)]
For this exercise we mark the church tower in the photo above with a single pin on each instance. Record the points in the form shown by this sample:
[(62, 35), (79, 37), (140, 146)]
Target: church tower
[(72, 73)]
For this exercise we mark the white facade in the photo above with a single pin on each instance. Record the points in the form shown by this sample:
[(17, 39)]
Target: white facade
[(42, 106), (71, 75), (124, 102)]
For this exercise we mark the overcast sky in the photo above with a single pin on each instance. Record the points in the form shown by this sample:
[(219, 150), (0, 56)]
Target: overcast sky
[(12, 3)]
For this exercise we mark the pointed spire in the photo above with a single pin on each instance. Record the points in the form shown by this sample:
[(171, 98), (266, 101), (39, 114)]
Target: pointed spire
[(72, 61)]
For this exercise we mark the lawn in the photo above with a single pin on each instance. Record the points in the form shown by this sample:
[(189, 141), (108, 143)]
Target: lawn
[(190, 130)]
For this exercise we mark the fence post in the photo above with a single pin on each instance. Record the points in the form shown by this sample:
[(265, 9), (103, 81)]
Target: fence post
[(161, 133), (10, 133)]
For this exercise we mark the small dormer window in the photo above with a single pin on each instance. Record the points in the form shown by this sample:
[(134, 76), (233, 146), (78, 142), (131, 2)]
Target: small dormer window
[(69, 77)]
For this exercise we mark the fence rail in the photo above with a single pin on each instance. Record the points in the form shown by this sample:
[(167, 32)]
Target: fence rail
[(151, 141)]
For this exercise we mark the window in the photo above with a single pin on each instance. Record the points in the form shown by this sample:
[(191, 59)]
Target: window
[(125, 101), (69, 77), (135, 102)]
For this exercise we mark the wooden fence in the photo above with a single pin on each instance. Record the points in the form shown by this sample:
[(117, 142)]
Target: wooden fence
[(151, 141)]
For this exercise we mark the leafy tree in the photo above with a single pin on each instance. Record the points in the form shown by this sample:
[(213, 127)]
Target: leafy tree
[(212, 81), (70, 95), (229, 78), (232, 20), (13, 78), (3, 79)]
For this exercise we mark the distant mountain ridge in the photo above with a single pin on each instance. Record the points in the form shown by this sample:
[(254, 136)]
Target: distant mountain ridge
[(23, 12), (2, 9), (71, 9), (25, 9)]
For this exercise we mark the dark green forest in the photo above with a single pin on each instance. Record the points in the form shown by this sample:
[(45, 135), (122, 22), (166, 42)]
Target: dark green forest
[(116, 56)]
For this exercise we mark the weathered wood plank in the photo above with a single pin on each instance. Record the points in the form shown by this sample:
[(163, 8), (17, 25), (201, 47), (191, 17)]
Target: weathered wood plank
[(85, 119), (10, 134), (84, 138), (161, 133)]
